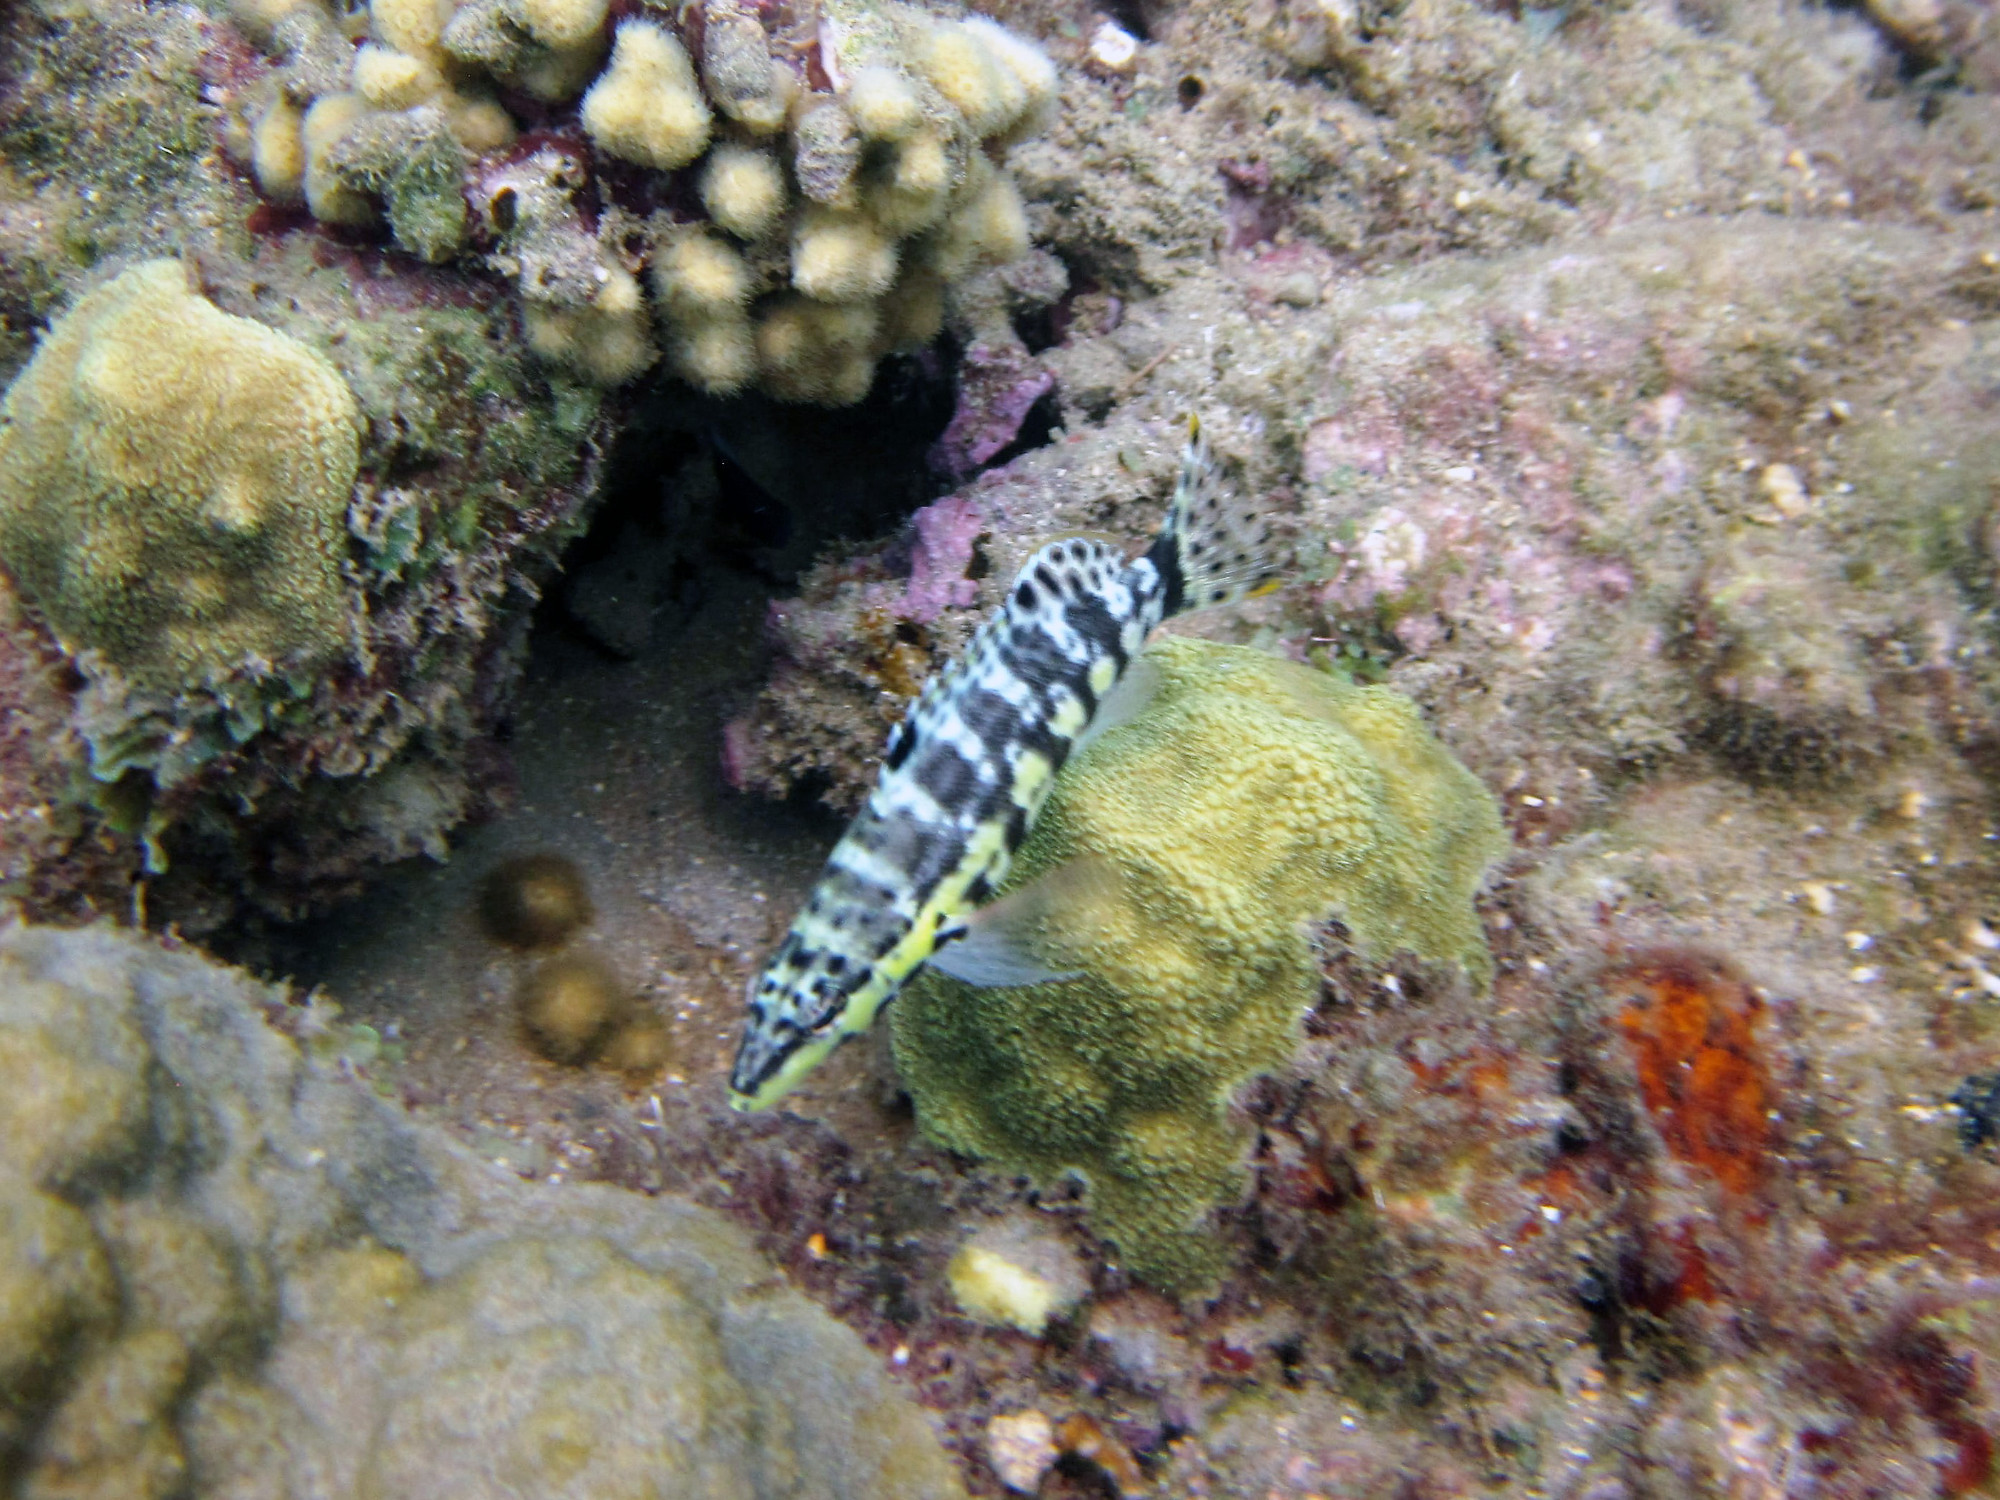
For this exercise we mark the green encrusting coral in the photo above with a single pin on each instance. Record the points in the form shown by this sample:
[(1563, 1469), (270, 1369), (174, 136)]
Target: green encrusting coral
[(1251, 800)]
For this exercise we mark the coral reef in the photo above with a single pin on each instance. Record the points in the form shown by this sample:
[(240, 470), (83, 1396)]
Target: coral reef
[(861, 644), (1626, 377), (260, 716), (570, 1006), (847, 154), (176, 485), (226, 1269), (1294, 796)]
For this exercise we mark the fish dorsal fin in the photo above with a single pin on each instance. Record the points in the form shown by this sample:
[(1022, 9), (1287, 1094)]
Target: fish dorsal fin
[(1009, 942), (1129, 697), (1222, 545)]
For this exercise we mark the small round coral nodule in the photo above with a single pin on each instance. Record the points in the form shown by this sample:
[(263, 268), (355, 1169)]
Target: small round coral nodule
[(570, 1005), (639, 1048), (534, 902), (647, 107)]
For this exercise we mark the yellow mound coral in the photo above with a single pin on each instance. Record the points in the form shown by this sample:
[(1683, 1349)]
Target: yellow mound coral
[(174, 484), (1252, 799)]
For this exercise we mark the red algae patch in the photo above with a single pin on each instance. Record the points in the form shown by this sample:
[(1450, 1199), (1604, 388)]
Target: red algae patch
[(1692, 1028)]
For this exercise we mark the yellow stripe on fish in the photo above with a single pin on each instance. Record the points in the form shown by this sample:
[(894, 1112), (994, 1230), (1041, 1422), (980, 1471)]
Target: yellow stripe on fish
[(965, 774)]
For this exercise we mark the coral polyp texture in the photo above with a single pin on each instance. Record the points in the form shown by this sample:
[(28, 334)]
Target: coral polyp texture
[(1253, 799), (837, 164), (174, 484), (227, 1269)]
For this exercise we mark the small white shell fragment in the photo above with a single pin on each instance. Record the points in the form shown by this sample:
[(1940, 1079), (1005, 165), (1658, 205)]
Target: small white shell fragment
[(1016, 1273), (1785, 490), (1000, 1292), (1021, 1446), (1113, 47)]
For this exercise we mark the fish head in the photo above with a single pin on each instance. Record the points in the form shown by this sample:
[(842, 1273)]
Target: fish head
[(797, 1009)]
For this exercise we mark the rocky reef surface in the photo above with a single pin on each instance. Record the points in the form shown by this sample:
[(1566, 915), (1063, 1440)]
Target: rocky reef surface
[(1624, 380), (265, 647), (228, 1269)]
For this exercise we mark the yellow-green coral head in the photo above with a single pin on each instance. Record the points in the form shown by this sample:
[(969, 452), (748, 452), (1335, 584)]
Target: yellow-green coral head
[(174, 485), (1251, 800)]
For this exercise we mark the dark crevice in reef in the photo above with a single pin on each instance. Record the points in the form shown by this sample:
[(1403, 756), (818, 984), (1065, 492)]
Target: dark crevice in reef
[(747, 486), (708, 510), (1136, 16)]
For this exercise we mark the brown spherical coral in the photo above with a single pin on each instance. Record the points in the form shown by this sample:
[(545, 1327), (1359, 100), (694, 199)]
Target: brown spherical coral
[(174, 484), (569, 1005), (535, 901)]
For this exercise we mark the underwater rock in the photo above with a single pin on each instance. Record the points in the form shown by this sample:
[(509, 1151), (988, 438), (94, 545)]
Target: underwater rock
[(1978, 1103), (265, 769), (228, 1270), (1252, 799), (997, 387), (1016, 1274), (1788, 683), (1021, 1447), (851, 638)]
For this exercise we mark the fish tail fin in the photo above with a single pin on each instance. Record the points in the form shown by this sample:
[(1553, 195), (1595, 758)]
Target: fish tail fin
[(1215, 547)]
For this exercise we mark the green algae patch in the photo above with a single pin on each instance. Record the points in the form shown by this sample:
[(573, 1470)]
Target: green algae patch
[(1253, 799)]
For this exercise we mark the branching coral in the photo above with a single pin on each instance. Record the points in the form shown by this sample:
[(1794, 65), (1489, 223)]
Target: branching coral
[(846, 158), (1252, 799)]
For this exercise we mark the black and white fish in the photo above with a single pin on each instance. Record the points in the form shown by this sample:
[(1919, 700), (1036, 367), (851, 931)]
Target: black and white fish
[(967, 771)]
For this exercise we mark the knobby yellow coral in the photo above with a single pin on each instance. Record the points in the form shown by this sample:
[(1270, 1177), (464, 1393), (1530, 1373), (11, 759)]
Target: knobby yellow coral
[(174, 484), (226, 1269), (1251, 800), (878, 166)]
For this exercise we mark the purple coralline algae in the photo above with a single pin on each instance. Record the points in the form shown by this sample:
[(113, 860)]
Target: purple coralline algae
[(997, 388), (946, 534)]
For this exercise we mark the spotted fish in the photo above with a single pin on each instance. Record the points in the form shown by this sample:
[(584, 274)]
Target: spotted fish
[(968, 769)]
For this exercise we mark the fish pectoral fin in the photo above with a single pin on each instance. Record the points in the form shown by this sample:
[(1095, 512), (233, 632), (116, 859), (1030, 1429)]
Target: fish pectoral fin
[(1125, 702), (1009, 942), (988, 961)]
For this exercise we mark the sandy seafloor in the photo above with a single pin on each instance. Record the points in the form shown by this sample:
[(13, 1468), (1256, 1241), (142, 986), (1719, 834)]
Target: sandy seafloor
[(1624, 382)]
